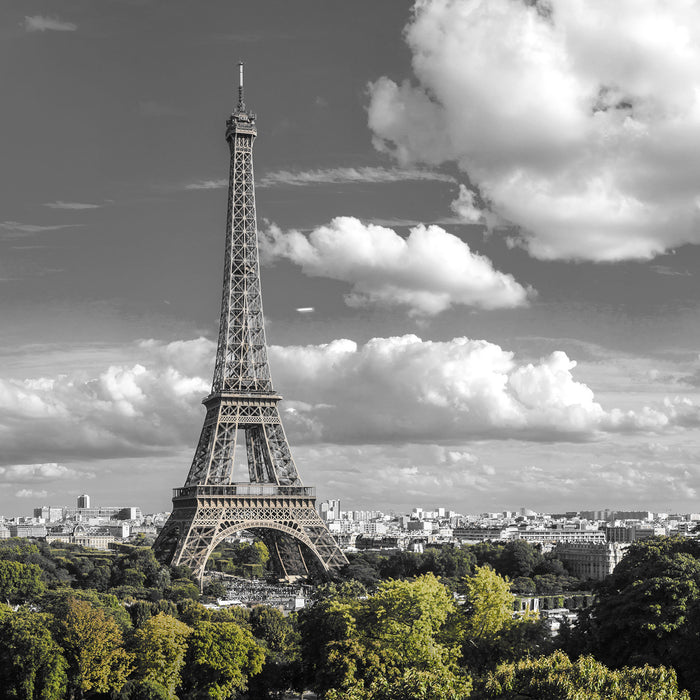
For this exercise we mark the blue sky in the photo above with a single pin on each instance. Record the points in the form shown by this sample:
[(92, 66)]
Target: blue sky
[(479, 229)]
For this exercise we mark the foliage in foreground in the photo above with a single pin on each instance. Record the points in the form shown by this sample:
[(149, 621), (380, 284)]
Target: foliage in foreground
[(556, 677), (91, 625), (648, 610)]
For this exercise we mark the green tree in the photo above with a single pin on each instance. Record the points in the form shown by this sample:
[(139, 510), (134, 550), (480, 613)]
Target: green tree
[(522, 585), (141, 611), (37, 553), (32, 665), (488, 605), (332, 653), (93, 646), (139, 567), (99, 578), (489, 632), (222, 657), (648, 609), (270, 625), (548, 584), (240, 558), (20, 582), (556, 677), (400, 564), (550, 564), (454, 562), (410, 684), (360, 570), (191, 612), (215, 589), (143, 689), (57, 602), (518, 558), (260, 554), (367, 647), (160, 646), (131, 577), (17, 549), (282, 667), (486, 553), (405, 619), (182, 590), (181, 571)]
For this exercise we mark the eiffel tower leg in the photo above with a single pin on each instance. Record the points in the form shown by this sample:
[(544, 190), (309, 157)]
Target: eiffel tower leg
[(286, 553)]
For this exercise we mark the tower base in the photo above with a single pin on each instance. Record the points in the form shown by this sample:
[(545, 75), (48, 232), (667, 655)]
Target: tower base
[(203, 516)]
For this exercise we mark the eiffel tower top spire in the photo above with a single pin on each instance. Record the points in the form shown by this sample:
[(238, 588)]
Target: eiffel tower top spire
[(241, 104), (240, 114)]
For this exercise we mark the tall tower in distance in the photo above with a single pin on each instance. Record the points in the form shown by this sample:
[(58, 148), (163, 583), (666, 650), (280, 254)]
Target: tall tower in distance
[(84, 501), (242, 420)]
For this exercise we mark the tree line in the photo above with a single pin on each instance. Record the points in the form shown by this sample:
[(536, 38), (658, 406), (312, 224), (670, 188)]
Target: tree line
[(438, 625)]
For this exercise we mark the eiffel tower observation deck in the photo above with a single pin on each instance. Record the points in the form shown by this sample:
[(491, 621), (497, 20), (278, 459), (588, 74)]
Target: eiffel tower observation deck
[(242, 421)]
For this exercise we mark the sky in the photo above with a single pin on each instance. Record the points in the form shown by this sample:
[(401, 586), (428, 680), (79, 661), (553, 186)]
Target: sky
[(479, 228)]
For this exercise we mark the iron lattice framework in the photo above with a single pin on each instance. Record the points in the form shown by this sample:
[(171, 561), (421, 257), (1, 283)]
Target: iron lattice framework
[(242, 410)]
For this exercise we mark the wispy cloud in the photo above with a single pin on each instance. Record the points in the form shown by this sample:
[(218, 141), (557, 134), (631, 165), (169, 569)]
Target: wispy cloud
[(28, 473), (13, 229), (206, 185), (665, 270), (39, 23), (71, 205), (31, 493), (332, 176)]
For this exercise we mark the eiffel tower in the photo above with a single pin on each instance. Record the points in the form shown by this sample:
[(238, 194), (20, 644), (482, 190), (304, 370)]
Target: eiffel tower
[(242, 417)]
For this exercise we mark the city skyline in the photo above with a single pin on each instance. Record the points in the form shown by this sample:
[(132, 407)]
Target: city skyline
[(454, 314), (411, 510)]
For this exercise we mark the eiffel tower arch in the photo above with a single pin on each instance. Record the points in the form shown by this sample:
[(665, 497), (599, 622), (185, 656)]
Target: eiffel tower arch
[(242, 418)]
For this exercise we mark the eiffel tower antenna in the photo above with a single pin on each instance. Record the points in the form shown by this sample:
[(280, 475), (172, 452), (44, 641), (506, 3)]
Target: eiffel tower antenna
[(242, 413), (241, 104)]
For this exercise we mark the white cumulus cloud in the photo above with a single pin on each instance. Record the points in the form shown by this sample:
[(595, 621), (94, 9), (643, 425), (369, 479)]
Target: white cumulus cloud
[(427, 272), (387, 390), (124, 409), (405, 388), (578, 120)]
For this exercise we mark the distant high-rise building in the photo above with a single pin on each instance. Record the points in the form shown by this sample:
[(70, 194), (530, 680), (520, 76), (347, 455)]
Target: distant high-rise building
[(330, 510), (84, 501), (50, 514)]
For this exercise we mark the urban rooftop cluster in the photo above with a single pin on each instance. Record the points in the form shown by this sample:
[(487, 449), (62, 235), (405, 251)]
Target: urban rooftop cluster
[(590, 542)]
